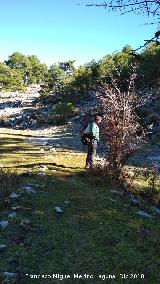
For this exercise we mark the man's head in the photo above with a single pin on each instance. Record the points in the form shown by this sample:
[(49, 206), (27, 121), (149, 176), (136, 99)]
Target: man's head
[(97, 119)]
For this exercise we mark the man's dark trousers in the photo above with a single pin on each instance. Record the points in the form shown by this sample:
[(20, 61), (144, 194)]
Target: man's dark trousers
[(92, 147)]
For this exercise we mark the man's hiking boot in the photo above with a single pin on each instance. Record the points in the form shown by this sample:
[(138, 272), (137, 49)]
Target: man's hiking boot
[(89, 167)]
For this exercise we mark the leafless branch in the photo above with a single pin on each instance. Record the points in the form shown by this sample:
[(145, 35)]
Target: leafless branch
[(121, 130), (151, 7)]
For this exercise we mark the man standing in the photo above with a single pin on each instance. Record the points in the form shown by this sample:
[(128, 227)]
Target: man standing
[(93, 130)]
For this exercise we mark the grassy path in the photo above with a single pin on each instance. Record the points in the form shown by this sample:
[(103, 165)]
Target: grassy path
[(98, 233)]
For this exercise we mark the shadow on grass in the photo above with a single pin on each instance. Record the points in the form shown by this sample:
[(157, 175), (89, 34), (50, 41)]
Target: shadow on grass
[(47, 164), (60, 140), (96, 230)]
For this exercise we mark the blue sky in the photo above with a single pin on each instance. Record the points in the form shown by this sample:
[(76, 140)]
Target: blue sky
[(57, 30)]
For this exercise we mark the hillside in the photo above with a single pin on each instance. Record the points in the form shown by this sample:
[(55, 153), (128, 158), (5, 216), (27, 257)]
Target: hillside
[(100, 232)]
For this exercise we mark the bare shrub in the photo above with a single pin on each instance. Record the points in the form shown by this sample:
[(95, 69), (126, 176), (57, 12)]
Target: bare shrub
[(121, 129)]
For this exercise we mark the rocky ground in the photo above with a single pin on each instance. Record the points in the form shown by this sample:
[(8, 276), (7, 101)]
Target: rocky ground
[(20, 113)]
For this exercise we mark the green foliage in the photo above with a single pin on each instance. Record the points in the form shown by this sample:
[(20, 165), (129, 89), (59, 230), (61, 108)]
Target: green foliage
[(64, 109), (117, 63), (10, 79), (61, 111), (20, 62), (38, 71), (66, 80), (82, 79), (149, 71), (58, 79), (106, 66), (29, 67)]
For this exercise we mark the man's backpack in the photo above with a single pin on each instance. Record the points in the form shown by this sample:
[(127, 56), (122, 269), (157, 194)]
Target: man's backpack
[(86, 137)]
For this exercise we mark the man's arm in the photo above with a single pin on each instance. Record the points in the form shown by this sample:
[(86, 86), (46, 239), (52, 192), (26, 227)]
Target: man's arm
[(87, 130)]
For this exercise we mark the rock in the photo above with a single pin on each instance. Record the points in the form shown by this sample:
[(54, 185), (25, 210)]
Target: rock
[(58, 210), (130, 173), (155, 209), (29, 173), (53, 150), (14, 195), (3, 248), (41, 174), (67, 203), (25, 221), (135, 201), (143, 213), (101, 161), (113, 200), (38, 185), (3, 224), (18, 207), (12, 215), (9, 274), (29, 189), (43, 168), (116, 192)]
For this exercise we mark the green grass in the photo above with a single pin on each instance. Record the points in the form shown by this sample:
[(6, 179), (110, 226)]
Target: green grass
[(97, 233)]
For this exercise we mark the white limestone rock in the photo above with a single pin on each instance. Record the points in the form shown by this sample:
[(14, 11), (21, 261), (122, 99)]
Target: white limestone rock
[(9, 274), (3, 248), (58, 210), (3, 224), (12, 215), (143, 213), (29, 189), (18, 207), (14, 195)]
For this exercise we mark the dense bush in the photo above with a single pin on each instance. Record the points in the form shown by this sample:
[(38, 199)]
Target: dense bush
[(61, 111), (64, 109)]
